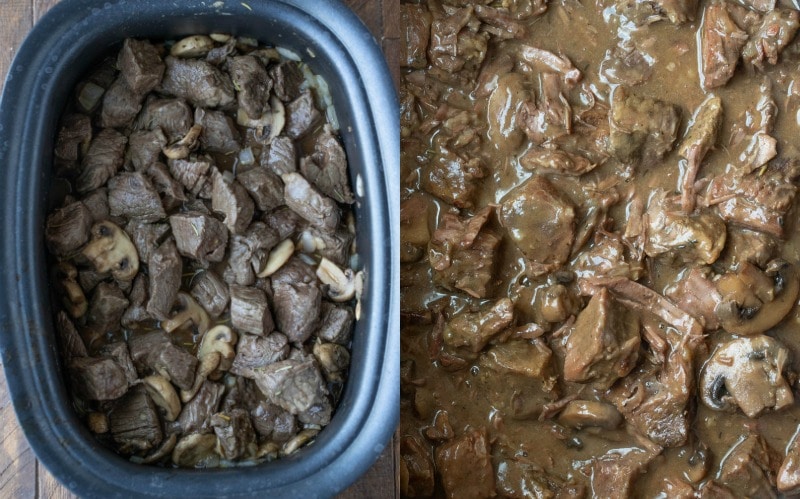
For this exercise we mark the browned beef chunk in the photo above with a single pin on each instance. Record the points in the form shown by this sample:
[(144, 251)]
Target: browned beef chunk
[(282, 156), (531, 358), (106, 307), (541, 222), (97, 378), (250, 311), (336, 323), (326, 168), (286, 79), (234, 433), (254, 352), (721, 44), (473, 330), (302, 115), (144, 148), (249, 252), (211, 292), (272, 422), (172, 116), (626, 65), (749, 468), (165, 268), (137, 311), (252, 84), (154, 351), (456, 42), (146, 237), (641, 129), (196, 414), (132, 195), (284, 221), (294, 385), (219, 131), (335, 246), (97, 202), (552, 117), (453, 178), (788, 477), (416, 468), (696, 294), (105, 156), (604, 343), (120, 105), (171, 191), (297, 299), (465, 465), (229, 198), (198, 82), (192, 173), (743, 245), (68, 337), (218, 55), (415, 21), (140, 65), (200, 237), (315, 208), (462, 254), (777, 29), (264, 186), (74, 136), (615, 473), (134, 422), (118, 351), (67, 229), (643, 13)]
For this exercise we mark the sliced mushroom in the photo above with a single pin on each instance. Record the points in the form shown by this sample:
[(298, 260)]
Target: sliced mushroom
[(299, 440), (220, 37), (188, 311), (334, 360), (208, 365), (582, 413), (111, 250), (163, 394), (163, 450), (73, 298), (196, 451), (788, 479), (269, 125), (279, 255), (192, 46), (182, 148), (748, 373), (268, 450), (341, 283), (216, 354)]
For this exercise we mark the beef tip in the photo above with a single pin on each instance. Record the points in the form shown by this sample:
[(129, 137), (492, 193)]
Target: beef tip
[(105, 156), (154, 351), (192, 173), (326, 168), (453, 178), (417, 477), (609, 256), (67, 229), (219, 131), (146, 237), (211, 293), (195, 417), (134, 422), (643, 13), (614, 474), (282, 156), (541, 222), (336, 323), (335, 246), (551, 118), (73, 138), (254, 352), (465, 465), (273, 423), (144, 148), (297, 300), (97, 378), (456, 42), (97, 202), (315, 208), (743, 245), (416, 26), (173, 116), (234, 432), (199, 237), (219, 55), (697, 294), (700, 138), (777, 29), (106, 307), (250, 311), (284, 221), (166, 266), (286, 80), (118, 351), (264, 186), (721, 44), (604, 343), (229, 198), (171, 191), (241, 394), (302, 115), (140, 65), (641, 128), (318, 414), (749, 468), (120, 105), (132, 195), (198, 82), (249, 252), (473, 330), (294, 385), (788, 477), (462, 254), (252, 84), (626, 65), (68, 337), (525, 358), (137, 311)]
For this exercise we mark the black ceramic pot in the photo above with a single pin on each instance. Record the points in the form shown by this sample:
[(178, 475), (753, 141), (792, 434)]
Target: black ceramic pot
[(72, 37)]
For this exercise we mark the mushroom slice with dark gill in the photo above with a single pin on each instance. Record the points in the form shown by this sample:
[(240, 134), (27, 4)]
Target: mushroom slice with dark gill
[(111, 250)]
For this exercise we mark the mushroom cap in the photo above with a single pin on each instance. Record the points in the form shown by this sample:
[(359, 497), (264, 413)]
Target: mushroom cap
[(195, 449), (189, 310), (164, 395), (111, 250), (341, 283)]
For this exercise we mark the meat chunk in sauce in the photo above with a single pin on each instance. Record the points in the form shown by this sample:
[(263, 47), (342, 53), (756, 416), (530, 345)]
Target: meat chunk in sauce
[(721, 44), (642, 129), (465, 465)]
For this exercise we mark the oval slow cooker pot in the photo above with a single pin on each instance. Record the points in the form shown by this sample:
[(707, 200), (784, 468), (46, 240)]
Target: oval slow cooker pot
[(73, 36)]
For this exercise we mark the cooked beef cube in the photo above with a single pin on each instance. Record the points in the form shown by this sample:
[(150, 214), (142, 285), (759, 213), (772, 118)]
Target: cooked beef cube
[(604, 343), (777, 29), (172, 195), (119, 352), (120, 105), (69, 339), (452, 178), (146, 237), (416, 26), (315, 208), (173, 116), (196, 415), (166, 268), (97, 202), (284, 221), (626, 65), (286, 80), (273, 422), (525, 358), (698, 295), (282, 156), (234, 433), (326, 168), (297, 299), (456, 43), (541, 222), (641, 128), (336, 323), (219, 131), (105, 156), (132, 195), (473, 330), (140, 65), (264, 187), (249, 252), (155, 351), (200, 237), (301, 115), (749, 468), (462, 254), (252, 84), (614, 474), (211, 293), (551, 118), (137, 311), (74, 135), (465, 465), (295, 385), (198, 82), (144, 346), (229, 198), (191, 173), (218, 55), (743, 245), (134, 422), (107, 306), (250, 311), (254, 352), (241, 394), (721, 44), (144, 148), (335, 246), (97, 379), (417, 463), (90, 278), (67, 229)]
